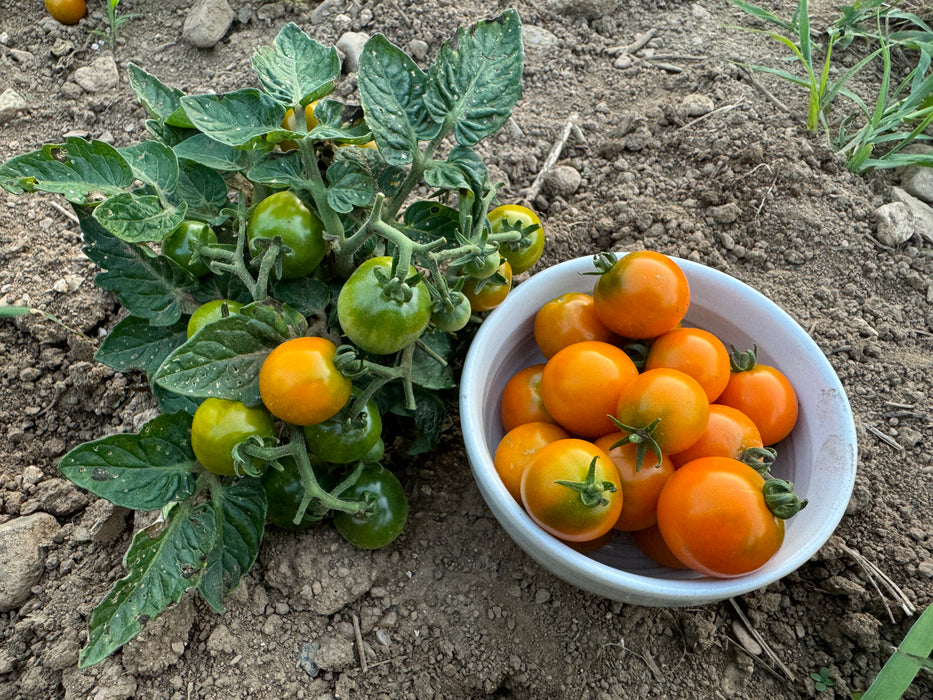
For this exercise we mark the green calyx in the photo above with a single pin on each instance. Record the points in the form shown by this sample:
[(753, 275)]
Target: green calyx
[(591, 491), (642, 438), (781, 499)]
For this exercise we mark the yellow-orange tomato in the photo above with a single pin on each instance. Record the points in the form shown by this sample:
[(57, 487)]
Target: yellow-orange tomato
[(570, 318), (485, 294), (695, 352), (581, 385), (640, 487), (728, 433), (521, 399), (713, 517), (290, 123), (572, 490), (766, 396), (518, 448), (300, 384), (66, 11)]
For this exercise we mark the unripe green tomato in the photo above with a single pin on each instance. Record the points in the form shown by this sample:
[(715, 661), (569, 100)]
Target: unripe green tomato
[(210, 312), (342, 439), (481, 269), (452, 320), (182, 243), (285, 490), (283, 214), (373, 321), (219, 425), (522, 254)]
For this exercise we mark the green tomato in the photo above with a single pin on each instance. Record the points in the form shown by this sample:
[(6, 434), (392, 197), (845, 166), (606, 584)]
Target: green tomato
[(182, 243), (377, 452), (212, 311), (524, 253), (345, 438), (386, 512), (284, 491), (481, 268), (284, 215), (454, 318), (375, 322), (219, 425)]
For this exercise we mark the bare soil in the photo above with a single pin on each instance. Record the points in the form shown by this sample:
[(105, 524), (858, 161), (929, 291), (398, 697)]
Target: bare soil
[(454, 609)]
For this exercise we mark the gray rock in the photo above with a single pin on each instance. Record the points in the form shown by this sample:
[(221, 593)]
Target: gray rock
[(334, 654), (22, 556), (697, 104), (102, 522), (55, 496), (922, 212), (350, 47), (725, 213), (563, 180), (916, 179), (895, 223), (535, 37), (207, 22), (101, 75), (418, 49), (326, 10), (11, 104)]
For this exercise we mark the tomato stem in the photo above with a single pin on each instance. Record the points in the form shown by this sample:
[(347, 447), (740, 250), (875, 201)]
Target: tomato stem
[(309, 480), (781, 499), (591, 491), (740, 361), (761, 459)]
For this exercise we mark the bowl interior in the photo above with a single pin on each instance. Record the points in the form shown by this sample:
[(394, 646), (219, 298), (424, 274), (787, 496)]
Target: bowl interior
[(819, 456)]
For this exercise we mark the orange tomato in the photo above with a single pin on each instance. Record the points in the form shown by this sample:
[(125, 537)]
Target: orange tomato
[(653, 545), (519, 446), (66, 11), (640, 487), (695, 352), (728, 433), (521, 399), (570, 318), (766, 396)]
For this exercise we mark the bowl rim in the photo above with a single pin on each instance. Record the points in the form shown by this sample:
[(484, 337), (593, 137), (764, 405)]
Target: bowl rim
[(598, 577)]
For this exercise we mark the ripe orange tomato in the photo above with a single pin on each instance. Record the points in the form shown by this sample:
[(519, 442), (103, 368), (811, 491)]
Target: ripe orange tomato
[(518, 448), (674, 399), (695, 352), (570, 318), (299, 383), (486, 294), (66, 11), (643, 295), (290, 123), (521, 399), (572, 490), (640, 487), (764, 394), (581, 384), (652, 544), (728, 433), (713, 517)]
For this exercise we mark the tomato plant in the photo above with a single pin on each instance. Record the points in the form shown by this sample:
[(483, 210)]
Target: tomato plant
[(521, 399), (66, 11), (571, 489), (385, 512), (290, 228), (284, 492), (517, 448), (300, 384), (764, 394), (717, 516), (641, 295), (568, 319), (581, 385), (487, 293)]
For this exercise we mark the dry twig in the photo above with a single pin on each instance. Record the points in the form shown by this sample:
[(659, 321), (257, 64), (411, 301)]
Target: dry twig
[(70, 215), (552, 157), (874, 573), (764, 645), (359, 642), (725, 108), (763, 90), (885, 438)]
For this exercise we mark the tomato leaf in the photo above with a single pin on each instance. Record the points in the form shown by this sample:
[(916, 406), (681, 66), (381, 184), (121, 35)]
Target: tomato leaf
[(137, 218), (161, 569), (432, 220), (350, 185), (170, 402), (391, 91), (430, 415), (203, 191), (159, 100), (476, 79), (340, 122), (75, 170), (153, 163), (235, 118), (307, 295), (142, 471), (223, 358), (241, 510), (296, 69), (149, 286), (280, 169), (135, 344), (202, 149), (426, 371)]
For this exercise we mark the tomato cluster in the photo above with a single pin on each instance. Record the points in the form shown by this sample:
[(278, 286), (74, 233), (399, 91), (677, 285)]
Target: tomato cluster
[(639, 424)]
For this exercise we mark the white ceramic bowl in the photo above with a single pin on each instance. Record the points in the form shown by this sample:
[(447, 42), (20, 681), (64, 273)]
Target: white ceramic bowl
[(819, 456)]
